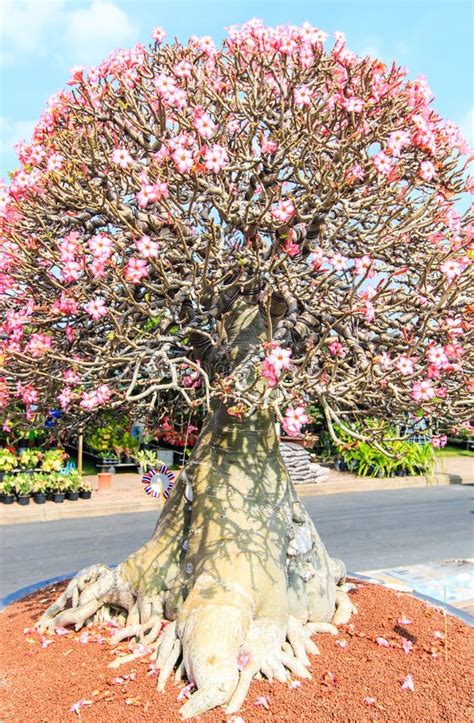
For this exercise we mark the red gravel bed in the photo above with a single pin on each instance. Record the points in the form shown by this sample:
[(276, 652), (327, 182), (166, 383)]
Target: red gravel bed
[(355, 679)]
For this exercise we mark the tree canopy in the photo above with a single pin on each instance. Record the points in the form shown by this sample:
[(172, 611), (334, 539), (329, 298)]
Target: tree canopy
[(172, 183)]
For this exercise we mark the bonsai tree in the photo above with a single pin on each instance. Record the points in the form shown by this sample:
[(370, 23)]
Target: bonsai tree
[(243, 230)]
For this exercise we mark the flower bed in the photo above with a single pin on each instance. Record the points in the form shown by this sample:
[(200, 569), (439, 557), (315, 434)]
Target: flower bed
[(368, 672)]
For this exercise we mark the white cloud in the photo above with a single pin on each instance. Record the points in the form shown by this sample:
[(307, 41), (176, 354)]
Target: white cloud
[(79, 35), (24, 23), (93, 32)]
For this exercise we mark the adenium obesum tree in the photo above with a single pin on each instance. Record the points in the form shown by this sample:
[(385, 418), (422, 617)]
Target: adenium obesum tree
[(242, 230)]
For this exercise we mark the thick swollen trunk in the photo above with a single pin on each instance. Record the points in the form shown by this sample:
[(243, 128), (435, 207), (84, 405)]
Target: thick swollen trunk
[(235, 565)]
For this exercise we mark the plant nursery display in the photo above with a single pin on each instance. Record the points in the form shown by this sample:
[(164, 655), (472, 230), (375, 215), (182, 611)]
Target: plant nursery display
[(237, 232)]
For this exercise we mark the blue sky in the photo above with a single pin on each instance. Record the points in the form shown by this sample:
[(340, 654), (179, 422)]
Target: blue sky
[(40, 40)]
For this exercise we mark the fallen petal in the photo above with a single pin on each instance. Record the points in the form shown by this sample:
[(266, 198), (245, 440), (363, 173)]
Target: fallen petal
[(295, 684), (407, 646), (242, 661), (186, 691), (369, 700), (381, 641), (341, 643), (263, 702), (408, 683), (404, 621)]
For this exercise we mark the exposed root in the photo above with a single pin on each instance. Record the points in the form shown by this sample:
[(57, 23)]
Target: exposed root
[(344, 608)]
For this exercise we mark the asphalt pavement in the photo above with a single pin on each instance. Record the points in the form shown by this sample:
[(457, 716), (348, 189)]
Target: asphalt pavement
[(368, 530)]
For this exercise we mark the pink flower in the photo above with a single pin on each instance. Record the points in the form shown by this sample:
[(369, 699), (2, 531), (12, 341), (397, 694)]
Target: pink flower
[(183, 159), (354, 105), (408, 683), (121, 157), (405, 365), (242, 661), (336, 349), (407, 646), (403, 620), (45, 642), (268, 146), (364, 266), (65, 398), (91, 400), (158, 34), (440, 441), (203, 123), (422, 391), (280, 358), (183, 69), (397, 140), (96, 308), (262, 702), (294, 419), (339, 262), (136, 270), (76, 75), (38, 345), (355, 172), (186, 691), (451, 269), (284, 211), (147, 247), (437, 356), (76, 707), (84, 638), (268, 372), (215, 158), (100, 246), (383, 642), (382, 163), (427, 170), (303, 95), (55, 162)]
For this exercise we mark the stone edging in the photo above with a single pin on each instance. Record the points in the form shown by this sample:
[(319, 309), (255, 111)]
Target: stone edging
[(463, 616)]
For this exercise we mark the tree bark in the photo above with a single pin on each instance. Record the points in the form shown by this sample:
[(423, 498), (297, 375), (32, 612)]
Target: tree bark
[(235, 565)]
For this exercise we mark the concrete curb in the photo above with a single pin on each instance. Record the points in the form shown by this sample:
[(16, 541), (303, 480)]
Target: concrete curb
[(109, 504), (450, 609), (29, 589)]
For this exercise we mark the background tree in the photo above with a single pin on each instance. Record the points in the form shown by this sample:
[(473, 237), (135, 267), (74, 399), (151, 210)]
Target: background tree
[(244, 229)]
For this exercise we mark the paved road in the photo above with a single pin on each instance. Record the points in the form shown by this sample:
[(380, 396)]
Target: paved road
[(368, 530)]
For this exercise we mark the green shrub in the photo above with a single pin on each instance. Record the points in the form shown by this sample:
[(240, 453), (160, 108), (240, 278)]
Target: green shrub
[(404, 456)]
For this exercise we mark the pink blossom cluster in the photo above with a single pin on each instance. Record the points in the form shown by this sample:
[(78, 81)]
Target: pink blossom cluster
[(96, 398), (275, 363), (294, 419)]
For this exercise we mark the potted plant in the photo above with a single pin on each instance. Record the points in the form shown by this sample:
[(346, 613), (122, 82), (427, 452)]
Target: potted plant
[(23, 489), (85, 490), (8, 461), (146, 458), (60, 487), (53, 460), (39, 483), (73, 483), (28, 459), (7, 489)]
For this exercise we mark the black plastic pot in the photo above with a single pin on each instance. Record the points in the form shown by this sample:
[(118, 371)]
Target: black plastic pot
[(23, 500), (8, 499), (39, 498), (85, 494), (73, 496), (58, 497), (49, 496)]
